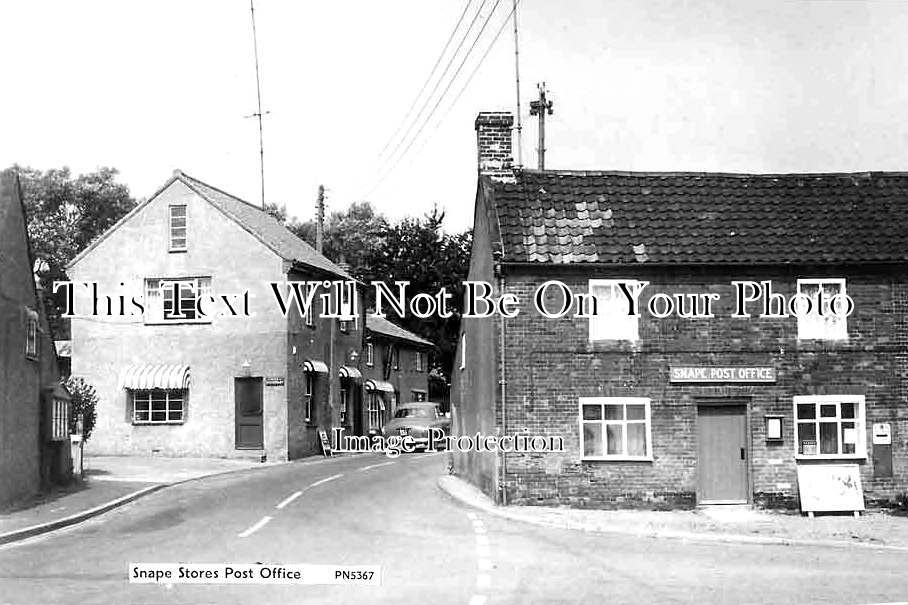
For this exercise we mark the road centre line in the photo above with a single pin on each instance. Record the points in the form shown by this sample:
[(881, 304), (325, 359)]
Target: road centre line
[(365, 468), (326, 480), (289, 499), (259, 525)]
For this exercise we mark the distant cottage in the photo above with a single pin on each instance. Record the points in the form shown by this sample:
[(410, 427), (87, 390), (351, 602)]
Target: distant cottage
[(684, 411), (181, 382)]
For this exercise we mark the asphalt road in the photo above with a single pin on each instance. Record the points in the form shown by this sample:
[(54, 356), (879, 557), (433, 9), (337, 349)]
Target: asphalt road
[(369, 510)]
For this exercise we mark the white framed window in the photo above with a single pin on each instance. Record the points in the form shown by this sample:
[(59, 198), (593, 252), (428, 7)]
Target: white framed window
[(822, 323), (158, 406), (376, 409), (829, 426), (394, 351), (612, 320), (463, 351), (31, 334), (419, 361), (615, 428), (176, 300), (178, 228), (308, 408), (370, 354)]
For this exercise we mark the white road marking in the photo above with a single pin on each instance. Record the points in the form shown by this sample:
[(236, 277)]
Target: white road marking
[(327, 479), (478, 599), (261, 523), (483, 580), (365, 468), (289, 499)]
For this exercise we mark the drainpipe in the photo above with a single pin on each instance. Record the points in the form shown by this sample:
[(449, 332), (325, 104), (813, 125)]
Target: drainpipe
[(503, 467)]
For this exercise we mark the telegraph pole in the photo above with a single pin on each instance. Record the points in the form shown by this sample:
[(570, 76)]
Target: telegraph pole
[(540, 108), (517, 78), (320, 220)]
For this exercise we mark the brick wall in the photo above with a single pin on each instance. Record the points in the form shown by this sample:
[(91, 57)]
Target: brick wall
[(493, 141), (550, 363)]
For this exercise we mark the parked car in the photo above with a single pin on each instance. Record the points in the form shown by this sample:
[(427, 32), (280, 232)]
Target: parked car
[(416, 419)]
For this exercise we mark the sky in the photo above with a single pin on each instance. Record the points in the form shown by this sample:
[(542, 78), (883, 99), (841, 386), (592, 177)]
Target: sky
[(714, 86)]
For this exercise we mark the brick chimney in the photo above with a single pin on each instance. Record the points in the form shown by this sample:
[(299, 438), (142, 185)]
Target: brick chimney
[(493, 142)]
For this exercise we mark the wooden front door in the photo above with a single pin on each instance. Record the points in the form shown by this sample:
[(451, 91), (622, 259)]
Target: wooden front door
[(248, 395), (722, 449)]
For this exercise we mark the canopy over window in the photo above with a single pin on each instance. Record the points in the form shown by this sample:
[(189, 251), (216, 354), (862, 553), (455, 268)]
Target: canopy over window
[(349, 372), (152, 376), (313, 365), (378, 385)]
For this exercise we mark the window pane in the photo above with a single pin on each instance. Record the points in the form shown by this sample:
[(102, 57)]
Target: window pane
[(828, 410), (848, 410), (849, 438), (614, 439), (636, 412), (807, 410), (177, 211), (807, 438), (592, 412), (614, 412), (636, 439), (829, 440), (592, 439)]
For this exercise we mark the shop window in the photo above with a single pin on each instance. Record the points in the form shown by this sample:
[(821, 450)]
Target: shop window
[(344, 400), (309, 408), (612, 320), (615, 428), (178, 228), (829, 426), (158, 406), (821, 323), (376, 407)]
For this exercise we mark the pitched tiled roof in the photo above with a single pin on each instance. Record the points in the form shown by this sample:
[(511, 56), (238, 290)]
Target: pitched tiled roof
[(382, 326), (264, 226), (696, 218)]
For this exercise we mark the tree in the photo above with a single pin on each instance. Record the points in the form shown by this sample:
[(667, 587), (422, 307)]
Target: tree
[(350, 236), (65, 214), (84, 401)]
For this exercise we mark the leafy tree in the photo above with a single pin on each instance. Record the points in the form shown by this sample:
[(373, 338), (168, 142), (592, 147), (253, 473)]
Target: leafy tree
[(65, 213), (350, 235), (84, 402)]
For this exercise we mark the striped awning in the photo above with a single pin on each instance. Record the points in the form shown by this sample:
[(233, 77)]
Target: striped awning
[(314, 365), (379, 385), (349, 372), (151, 376)]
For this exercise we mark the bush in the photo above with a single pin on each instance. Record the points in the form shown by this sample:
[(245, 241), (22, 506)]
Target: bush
[(84, 401)]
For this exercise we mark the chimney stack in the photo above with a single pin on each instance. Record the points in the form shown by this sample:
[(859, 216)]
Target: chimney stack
[(493, 142)]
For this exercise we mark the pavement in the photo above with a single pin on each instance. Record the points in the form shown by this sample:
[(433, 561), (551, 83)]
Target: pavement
[(741, 524), (109, 482), (371, 510)]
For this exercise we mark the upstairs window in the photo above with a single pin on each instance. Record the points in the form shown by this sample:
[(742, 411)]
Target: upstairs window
[(31, 334), (395, 356), (177, 299), (370, 354), (822, 323), (307, 399), (612, 320), (829, 426), (419, 362), (178, 228)]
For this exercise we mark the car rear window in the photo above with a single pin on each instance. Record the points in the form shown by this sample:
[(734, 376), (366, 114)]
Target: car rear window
[(414, 413)]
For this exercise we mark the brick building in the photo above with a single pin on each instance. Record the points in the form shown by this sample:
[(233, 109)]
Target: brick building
[(674, 410), (395, 370), (177, 380), (34, 407)]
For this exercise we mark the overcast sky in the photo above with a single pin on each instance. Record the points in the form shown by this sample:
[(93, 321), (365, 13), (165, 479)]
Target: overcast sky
[(639, 85)]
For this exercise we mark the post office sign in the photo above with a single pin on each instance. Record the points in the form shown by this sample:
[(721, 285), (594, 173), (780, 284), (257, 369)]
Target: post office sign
[(714, 374)]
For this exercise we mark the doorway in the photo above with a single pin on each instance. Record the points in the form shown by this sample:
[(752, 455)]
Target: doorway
[(722, 453), (248, 396)]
